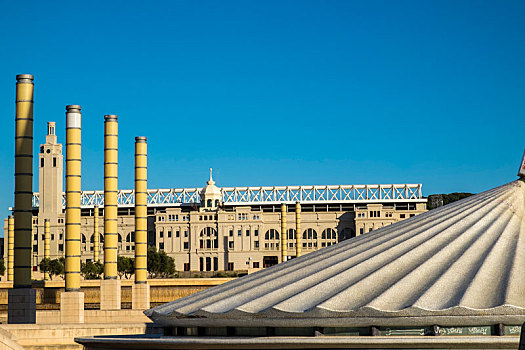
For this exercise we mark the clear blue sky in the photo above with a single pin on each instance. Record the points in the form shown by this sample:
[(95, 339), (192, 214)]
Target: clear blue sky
[(277, 92)]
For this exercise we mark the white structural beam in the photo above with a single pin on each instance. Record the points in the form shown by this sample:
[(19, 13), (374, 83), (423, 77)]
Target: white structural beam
[(336, 194)]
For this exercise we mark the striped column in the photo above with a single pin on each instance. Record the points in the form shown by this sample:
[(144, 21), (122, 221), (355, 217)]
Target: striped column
[(10, 247), (298, 236), (110, 196), (96, 235), (284, 235), (47, 241), (73, 155), (21, 299), (23, 181), (141, 209), (140, 290)]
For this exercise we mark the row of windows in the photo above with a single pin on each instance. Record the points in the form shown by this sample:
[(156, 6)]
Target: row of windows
[(173, 217)]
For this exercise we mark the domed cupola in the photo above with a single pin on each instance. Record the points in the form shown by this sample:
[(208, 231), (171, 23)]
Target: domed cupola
[(210, 195)]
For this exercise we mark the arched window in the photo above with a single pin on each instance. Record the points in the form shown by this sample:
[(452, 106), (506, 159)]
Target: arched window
[(209, 203), (310, 234), (92, 239), (101, 240), (83, 238), (329, 233), (119, 238), (291, 233), (346, 233), (128, 238), (271, 234), (216, 202), (209, 238)]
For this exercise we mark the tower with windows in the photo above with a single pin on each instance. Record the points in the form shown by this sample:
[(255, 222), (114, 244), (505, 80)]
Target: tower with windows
[(50, 171), (211, 196)]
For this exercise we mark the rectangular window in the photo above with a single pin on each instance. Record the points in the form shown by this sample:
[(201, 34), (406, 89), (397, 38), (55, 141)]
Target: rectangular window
[(161, 246), (256, 244), (52, 236), (256, 233), (61, 236), (247, 233), (186, 266), (177, 233), (230, 266), (61, 247), (41, 162), (255, 264), (161, 233), (230, 245), (402, 216), (35, 248), (361, 231), (186, 246), (35, 237), (186, 233), (201, 245), (43, 237), (54, 162), (176, 218), (231, 233), (239, 233), (169, 233)]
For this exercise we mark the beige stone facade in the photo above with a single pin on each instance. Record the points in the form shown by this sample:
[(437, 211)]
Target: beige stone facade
[(212, 236)]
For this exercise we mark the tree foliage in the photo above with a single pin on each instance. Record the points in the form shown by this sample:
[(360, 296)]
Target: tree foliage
[(91, 270), (160, 265), (125, 266), (438, 200), (53, 267)]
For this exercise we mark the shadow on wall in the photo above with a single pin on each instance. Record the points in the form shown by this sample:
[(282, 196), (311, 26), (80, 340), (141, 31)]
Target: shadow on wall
[(346, 226)]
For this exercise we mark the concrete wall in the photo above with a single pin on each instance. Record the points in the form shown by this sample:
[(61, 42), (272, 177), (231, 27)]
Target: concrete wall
[(162, 290)]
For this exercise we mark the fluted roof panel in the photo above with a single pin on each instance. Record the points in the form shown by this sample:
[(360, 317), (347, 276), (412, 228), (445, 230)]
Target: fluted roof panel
[(466, 258)]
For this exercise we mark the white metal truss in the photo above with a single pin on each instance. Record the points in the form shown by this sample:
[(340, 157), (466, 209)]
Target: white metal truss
[(336, 194)]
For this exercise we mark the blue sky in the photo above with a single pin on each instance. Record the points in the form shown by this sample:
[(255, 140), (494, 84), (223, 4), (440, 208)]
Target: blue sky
[(277, 92)]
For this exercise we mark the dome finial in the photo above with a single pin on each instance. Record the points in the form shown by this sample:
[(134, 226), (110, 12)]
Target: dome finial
[(210, 181)]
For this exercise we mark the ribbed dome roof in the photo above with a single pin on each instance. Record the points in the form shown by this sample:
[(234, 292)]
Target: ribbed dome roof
[(465, 259)]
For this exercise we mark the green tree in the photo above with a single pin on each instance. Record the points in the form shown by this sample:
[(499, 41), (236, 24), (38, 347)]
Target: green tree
[(56, 267), (2, 267), (45, 266), (125, 266), (92, 270), (160, 265)]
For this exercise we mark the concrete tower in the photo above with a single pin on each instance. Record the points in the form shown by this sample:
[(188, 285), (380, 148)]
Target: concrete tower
[(140, 290), (50, 176), (72, 300), (22, 299), (298, 244), (284, 235), (47, 246), (110, 287)]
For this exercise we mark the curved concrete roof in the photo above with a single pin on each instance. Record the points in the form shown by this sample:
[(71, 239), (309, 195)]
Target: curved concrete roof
[(463, 263)]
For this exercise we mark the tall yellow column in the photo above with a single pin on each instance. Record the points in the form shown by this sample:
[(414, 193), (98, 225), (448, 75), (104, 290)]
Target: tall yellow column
[(96, 235), (47, 241), (22, 299), (298, 235), (284, 234), (110, 287), (140, 290), (110, 196), (10, 247), (72, 300), (73, 155)]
